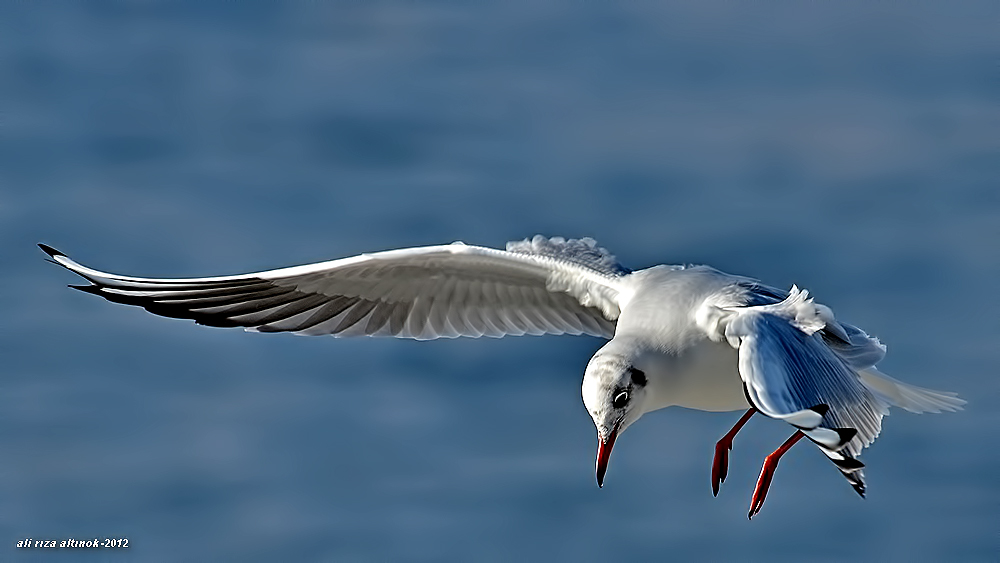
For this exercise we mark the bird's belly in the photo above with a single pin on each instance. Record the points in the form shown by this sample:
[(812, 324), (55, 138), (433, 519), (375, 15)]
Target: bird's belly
[(704, 377)]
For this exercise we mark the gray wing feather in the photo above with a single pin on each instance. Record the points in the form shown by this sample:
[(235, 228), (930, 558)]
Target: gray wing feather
[(800, 365), (423, 293), (849, 342), (792, 374), (787, 371), (860, 351)]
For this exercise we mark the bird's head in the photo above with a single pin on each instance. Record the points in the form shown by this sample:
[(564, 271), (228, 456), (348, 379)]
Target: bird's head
[(614, 392)]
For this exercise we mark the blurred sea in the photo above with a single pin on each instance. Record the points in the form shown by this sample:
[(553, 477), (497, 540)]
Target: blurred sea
[(850, 148)]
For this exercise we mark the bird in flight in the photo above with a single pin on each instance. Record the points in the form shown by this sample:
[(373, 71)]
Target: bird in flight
[(688, 336)]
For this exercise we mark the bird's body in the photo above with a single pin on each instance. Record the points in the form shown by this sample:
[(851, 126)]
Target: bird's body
[(679, 336), (686, 368)]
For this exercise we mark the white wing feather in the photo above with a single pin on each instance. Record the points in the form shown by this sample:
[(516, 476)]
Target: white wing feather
[(423, 293)]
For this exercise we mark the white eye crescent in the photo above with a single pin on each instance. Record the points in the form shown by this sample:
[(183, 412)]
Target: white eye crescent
[(620, 400)]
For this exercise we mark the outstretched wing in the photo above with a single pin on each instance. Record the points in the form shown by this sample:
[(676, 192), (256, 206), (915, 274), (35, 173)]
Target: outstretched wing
[(541, 286)]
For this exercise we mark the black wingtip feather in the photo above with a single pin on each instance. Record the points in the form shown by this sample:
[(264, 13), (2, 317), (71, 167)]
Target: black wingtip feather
[(821, 409), (848, 464), (87, 289), (846, 435), (860, 489), (50, 251)]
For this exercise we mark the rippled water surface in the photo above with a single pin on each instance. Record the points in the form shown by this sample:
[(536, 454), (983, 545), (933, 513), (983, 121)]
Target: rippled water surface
[(850, 150)]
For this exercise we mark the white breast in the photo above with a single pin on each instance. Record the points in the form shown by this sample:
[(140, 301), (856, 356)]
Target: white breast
[(703, 377)]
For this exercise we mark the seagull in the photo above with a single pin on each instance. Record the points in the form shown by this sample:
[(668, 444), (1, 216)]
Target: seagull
[(688, 336)]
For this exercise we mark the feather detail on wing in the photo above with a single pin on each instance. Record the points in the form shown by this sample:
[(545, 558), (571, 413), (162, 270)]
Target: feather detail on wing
[(787, 371), (423, 293), (791, 372), (859, 350)]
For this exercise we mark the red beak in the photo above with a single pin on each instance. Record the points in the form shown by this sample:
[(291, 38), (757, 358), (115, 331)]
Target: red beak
[(604, 453)]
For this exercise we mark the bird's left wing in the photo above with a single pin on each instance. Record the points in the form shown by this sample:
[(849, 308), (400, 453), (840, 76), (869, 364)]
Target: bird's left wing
[(537, 286), (791, 373)]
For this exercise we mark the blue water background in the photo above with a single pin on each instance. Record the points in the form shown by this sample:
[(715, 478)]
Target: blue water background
[(850, 148)]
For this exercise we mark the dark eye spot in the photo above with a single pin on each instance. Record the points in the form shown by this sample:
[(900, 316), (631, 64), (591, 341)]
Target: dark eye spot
[(620, 400), (638, 377)]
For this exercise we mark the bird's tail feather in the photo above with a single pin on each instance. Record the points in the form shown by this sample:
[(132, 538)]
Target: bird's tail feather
[(910, 397)]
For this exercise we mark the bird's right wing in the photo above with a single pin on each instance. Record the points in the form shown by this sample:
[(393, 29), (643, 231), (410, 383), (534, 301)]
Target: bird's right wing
[(537, 286)]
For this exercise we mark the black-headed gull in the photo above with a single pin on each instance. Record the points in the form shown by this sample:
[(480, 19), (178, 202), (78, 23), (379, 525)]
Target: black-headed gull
[(689, 336)]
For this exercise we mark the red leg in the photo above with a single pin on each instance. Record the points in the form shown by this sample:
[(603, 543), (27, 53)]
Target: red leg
[(720, 463), (767, 472)]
